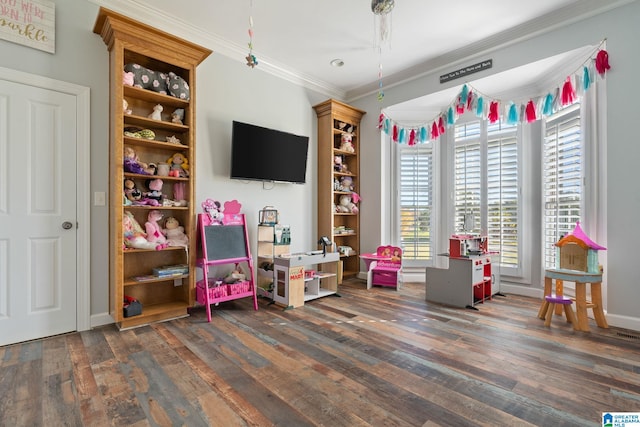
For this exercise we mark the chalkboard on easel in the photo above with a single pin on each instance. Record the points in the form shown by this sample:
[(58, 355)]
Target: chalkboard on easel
[(225, 242), (221, 242)]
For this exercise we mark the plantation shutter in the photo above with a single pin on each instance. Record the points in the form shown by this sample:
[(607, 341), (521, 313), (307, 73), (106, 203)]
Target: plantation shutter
[(468, 176), (563, 178), (416, 201), (502, 192)]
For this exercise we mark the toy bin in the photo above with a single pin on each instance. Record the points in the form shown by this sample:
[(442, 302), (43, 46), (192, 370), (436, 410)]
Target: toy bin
[(239, 288), (215, 290)]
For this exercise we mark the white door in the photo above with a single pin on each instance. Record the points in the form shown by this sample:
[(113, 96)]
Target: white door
[(37, 212)]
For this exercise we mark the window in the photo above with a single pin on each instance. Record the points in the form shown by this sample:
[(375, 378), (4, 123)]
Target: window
[(415, 201), (486, 186), (562, 178)]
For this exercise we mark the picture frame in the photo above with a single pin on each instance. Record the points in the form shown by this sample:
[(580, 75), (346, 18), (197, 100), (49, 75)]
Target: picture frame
[(268, 216)]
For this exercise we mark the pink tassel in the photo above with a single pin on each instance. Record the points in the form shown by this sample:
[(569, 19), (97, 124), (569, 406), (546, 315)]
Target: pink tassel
[(395, 133), (602, 62), (568, 94), (470, 100), (440, 126), (493, 112), (434, 131), (412, 137), (530, 112), (380, 120), (460, 107)]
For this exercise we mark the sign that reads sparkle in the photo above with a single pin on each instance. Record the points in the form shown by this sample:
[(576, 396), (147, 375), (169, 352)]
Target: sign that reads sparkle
[(29, 23), (462, 72)]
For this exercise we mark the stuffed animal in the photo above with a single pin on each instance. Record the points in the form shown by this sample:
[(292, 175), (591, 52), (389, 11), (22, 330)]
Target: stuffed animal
[(177, 86), (346, 143), (346, 183), (348, 203), (153, 229), (155, 187), (133, 165), (147, 79), (157, 112), (175, 233), (134, 235), (125, 107), (177, 116), (127, 78), (180, 164)]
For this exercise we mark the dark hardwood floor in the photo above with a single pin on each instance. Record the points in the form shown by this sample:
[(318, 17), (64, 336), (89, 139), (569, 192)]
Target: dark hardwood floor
[(367, 358)]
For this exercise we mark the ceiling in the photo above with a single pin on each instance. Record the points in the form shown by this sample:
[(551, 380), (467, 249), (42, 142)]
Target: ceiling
[(297, 40)]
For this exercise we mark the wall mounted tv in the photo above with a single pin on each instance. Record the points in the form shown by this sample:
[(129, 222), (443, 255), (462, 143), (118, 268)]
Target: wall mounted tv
[(263, 154)]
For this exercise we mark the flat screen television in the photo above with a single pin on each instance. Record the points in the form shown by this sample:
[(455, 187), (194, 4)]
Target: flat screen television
[(263, 154)]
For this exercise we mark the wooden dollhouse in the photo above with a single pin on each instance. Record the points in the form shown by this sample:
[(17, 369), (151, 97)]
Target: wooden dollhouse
[(576, 251)]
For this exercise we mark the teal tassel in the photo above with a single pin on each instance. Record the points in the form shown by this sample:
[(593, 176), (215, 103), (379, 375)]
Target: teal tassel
[(547, 110), (423, 134), (480, 107), (386, 126), (512, 119), (464, 94), (450, 117), (402, 137), (586, 80)]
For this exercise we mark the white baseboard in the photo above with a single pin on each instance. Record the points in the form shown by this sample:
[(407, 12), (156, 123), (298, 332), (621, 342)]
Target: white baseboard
[(101, 319)]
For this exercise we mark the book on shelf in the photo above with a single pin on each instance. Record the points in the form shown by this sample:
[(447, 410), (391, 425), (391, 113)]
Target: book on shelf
[(171, 270)]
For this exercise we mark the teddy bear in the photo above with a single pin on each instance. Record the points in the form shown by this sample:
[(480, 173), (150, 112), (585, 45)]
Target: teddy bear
[(346, 143), (154, 232), (348, 203), (175, 233), (180, 164), (157, 112), (134, 235), (133, 165)]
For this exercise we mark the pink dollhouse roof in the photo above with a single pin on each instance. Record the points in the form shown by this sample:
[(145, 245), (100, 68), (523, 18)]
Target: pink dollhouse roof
[(577, 233)]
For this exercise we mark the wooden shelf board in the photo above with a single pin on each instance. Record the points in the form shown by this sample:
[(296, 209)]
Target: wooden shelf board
[(156, 313)]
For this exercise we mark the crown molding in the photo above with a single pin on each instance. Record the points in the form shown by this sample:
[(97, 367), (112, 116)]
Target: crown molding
[(217, 44), (575, 12)]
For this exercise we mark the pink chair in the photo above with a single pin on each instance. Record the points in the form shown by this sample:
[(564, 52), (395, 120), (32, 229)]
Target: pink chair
[(385, 268)]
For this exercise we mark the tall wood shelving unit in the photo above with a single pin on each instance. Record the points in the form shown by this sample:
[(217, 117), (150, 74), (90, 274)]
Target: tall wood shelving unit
[(129, 41), (331, 114)]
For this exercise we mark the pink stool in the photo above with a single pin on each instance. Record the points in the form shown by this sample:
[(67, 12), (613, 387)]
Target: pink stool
[(549, 306)]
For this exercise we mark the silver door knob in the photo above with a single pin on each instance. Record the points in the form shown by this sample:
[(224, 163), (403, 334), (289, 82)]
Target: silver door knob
[(67, 225)]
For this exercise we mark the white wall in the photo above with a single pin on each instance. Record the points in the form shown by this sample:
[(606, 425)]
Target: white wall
[(620, 28)]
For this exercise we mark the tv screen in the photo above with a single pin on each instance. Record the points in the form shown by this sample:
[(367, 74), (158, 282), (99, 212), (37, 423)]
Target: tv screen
[(263, 154)]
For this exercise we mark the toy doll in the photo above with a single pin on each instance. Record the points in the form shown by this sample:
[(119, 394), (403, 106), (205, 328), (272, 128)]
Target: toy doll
[(175, 233), (180, 164), (133, 165), (154, 232)]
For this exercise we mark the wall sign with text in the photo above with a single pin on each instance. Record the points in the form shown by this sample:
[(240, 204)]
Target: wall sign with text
[(463, 72), (30, 23)]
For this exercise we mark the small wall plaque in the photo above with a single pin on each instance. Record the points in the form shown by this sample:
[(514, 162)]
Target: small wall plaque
[(462, 72), (30, 23)]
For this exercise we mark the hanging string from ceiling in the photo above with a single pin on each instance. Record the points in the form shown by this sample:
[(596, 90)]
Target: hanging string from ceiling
[(382, 33), (252, 61)]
